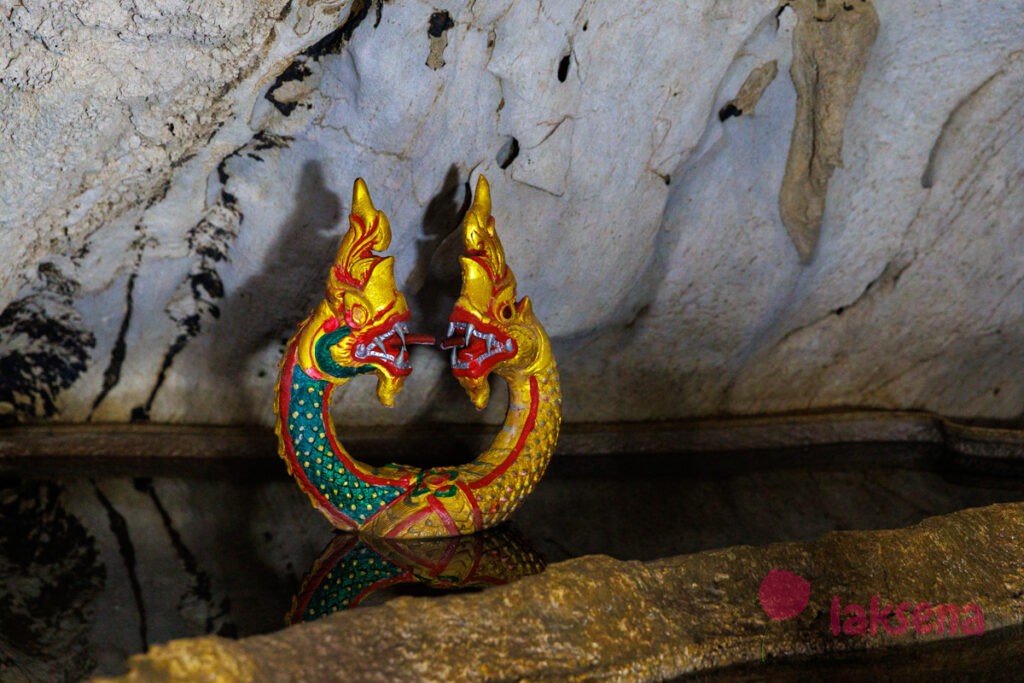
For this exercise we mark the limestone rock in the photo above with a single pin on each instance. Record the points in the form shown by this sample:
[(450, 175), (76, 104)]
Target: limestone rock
[(751, 91), (831, 45), (598, 618), (182, 172)]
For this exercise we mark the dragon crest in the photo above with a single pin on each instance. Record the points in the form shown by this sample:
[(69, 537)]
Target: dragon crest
[(489, 329), (360, 326)]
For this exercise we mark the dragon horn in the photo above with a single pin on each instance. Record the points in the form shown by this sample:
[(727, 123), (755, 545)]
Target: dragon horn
[(482, 199), (480, 238), (369, 231), (362, 206)]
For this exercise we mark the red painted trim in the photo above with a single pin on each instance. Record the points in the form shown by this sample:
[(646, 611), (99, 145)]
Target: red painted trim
[(385, 324), (478, 520), (476, 368), (338, 518), (493, 580), (362, 249), (408, 521), (478, 555), (531, 420), (450, 552), (407, 577), (336, 550), (442, 514), (400, 549), (347, 460)]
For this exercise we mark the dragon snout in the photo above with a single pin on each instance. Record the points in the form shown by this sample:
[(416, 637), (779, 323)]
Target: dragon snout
[(389, 347), (471, 346)]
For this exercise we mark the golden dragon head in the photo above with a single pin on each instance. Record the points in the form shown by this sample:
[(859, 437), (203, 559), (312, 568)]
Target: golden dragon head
[(489, 330), (361, 324)]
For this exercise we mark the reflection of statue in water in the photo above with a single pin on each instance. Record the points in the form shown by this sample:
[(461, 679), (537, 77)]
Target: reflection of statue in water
[(352, 572)]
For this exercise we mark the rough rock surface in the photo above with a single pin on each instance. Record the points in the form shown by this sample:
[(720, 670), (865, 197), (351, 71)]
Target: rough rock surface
[(176, 178), (598, 618), (831, 45), (751, 91)]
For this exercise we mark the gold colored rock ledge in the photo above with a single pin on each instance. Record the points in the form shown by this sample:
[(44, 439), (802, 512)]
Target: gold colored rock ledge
[(600, 618)]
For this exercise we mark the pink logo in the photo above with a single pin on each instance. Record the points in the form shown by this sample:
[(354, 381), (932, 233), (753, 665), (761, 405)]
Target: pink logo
[(854, 620), (783, 594)]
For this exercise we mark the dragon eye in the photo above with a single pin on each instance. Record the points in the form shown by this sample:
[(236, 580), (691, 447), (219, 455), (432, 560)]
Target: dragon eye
[(357, 315), (506, 312)]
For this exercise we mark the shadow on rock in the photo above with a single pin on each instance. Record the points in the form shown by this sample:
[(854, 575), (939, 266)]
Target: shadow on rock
[(265, 310)]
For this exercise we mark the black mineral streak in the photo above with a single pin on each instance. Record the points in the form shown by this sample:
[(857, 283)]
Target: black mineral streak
[(200, 580), (264, 140), (296, 71), (330, 44), (508, 153), (728, 111), (43, 348), (563, 68), (119, 527), (191, 325), (439, 23), (112, 375), (209, 242)]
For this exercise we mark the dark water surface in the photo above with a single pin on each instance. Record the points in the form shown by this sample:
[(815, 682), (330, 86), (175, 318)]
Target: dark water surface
[(100, 559)]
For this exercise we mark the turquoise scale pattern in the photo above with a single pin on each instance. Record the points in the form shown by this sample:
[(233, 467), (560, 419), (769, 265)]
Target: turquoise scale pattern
[(355, 498), (358, 570)]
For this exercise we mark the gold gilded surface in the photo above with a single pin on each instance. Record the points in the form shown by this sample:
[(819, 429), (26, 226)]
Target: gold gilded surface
[(199, 660), (597, 618), (361, 291)]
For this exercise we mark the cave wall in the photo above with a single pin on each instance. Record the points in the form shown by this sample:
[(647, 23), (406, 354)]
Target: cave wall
[(177, 177)]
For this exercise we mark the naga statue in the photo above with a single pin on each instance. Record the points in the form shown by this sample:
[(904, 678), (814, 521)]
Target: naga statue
[(361, 327)]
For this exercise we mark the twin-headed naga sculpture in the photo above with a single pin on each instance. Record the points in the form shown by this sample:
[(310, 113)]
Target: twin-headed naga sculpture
[(360, 327)]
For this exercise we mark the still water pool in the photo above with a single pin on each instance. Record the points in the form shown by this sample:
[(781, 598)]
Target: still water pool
[(101, 559)]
